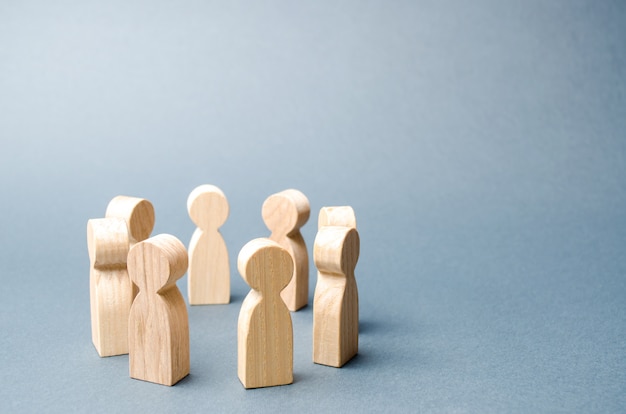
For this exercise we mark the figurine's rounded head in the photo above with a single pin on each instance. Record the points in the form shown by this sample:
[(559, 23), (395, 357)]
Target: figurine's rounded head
[(265, 266), (107, 241), (157, 262), (336, 250), (286, 212), (138, 213), (336, 216), (207, 206)]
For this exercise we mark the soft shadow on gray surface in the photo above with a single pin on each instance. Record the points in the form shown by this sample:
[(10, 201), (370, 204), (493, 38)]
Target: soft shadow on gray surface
[(481, 145), (370, 326)]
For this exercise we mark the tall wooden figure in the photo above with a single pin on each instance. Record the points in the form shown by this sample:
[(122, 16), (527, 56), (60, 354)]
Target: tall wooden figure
[(110, 288), (284, 214), (264, 333), (139, 216), (158, 331), (209, 271), (336, 301)]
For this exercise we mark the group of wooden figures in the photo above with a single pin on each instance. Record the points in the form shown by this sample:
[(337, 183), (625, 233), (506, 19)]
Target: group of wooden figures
[(137, 309)]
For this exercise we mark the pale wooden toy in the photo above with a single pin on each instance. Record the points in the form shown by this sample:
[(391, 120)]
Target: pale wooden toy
[(284, 214), (209, 271), (139, 216), (110, 288), (336, 216), (336, 300), (158, 327), (138, 213), (265, 332), (332, 216)]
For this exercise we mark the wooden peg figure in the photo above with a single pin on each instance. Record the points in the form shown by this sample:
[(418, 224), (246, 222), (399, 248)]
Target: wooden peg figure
[(336, 216), (139, 216), (158, 331), (336, 300), (265, 333), (209, 271), (138, 213), (284, 214), (111, 291)]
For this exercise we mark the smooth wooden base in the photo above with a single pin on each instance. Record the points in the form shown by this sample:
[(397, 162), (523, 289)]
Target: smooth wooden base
[(208, 281)]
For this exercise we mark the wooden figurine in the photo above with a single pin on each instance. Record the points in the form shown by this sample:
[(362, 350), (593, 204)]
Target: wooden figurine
[(265, 333), (284, 214), (138, 213), (209, 271), (336, 216), (158, 331), (139, 216), (336, 301), (111, 291)]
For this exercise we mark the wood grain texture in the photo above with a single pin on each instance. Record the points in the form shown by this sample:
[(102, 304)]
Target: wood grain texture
[(284, 213), (336, 300), (336, 216), (209, 270), (138, 213), (265, 332), (158, 335), (111, 291)]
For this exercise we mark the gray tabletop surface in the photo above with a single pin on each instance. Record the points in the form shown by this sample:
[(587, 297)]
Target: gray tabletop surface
[(482, 145)]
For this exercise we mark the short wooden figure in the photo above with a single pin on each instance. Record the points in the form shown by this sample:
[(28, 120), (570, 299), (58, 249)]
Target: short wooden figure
[(284, 214), (336, 216), (138, 213), (336, 300), (265, 332), (209, 271), (158, 331), (111, 291)]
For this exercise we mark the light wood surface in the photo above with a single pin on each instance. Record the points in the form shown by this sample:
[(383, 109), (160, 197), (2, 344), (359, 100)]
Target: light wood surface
[(284, 213), (209, 270), (110, 288), (138, 213), (158, 334), (336, 216), (265, 332), (336, 300)]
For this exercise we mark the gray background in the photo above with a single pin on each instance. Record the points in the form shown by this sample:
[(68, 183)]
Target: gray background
[(482, 145)]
